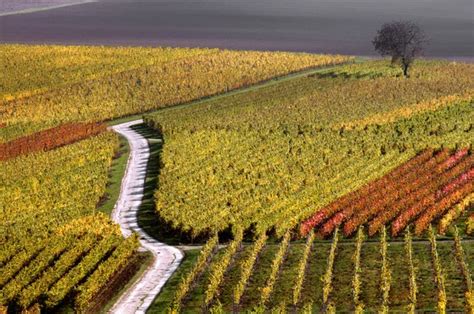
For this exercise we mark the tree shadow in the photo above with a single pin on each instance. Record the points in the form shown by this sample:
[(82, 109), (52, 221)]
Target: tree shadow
[(147, 217), (345, 75)]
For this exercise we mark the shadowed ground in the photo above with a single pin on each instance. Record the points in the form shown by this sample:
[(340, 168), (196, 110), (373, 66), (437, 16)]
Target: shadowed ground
[(331, 26)]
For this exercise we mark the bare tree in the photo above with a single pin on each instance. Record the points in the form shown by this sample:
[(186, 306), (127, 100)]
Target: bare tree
[(402, 40)]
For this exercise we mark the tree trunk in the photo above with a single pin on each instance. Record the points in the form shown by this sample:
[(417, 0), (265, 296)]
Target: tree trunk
[(405, 69), (395, 60)]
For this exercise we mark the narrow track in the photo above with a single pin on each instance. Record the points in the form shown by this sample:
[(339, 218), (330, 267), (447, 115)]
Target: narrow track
[(166, 258)]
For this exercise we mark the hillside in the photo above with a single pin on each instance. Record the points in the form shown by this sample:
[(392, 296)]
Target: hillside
[(291, 181)]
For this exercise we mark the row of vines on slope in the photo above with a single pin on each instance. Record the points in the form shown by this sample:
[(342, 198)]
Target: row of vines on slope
[(461, 259), (54, 186), (439, 274), (53, 67), (219, 269), (247, 267), (426, 187), (356, 280), (47, 273), (381, 276), (49, 139), (412, 273), (57, 249), (187, 281), (151, 86), (276, 178), (302, 269)]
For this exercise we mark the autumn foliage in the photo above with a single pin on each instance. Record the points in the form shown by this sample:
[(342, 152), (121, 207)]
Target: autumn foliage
[(49, 139), (419, 191)]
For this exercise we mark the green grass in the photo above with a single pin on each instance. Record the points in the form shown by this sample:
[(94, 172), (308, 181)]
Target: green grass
[(194, 301), (455, 286), (164, 299), (312, 285), (341, 294), (146, 260), (426, 296), (283, 289), (262, 269), (233, 277), (469, 255), (399, 295), (371, 265), (116, 173)]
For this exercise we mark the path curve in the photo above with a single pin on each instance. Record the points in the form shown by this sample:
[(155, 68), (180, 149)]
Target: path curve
[(166, 258)]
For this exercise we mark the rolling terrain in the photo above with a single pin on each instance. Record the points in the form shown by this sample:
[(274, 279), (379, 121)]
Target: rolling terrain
[(292, 182)]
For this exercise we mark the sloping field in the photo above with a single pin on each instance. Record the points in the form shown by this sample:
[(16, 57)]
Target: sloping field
[(107, 83), (294, 172), (58, 251), (420, 190), (54, 245), (36, 69), (366, 166), (276, 155)]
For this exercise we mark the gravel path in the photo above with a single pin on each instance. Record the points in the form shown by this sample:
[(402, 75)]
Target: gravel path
[(166, 258)]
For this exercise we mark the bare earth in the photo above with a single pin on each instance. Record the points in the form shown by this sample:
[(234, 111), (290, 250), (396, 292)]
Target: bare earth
[(328, 26)]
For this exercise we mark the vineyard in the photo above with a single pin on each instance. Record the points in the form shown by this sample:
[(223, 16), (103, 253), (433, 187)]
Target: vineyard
[(62, 184), (60, 66), (338, 275), (273, 157), (130, 81), (58, 250), (55, 247), (346, 188), (44, 273), (354, 186), (420, 190), (49, 139)]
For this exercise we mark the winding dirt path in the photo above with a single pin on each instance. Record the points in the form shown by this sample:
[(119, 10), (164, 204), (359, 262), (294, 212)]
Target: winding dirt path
[(166, 258)]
